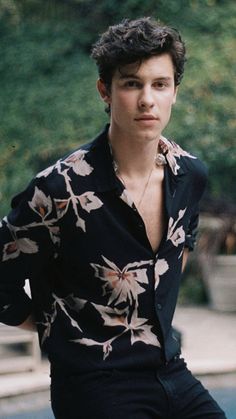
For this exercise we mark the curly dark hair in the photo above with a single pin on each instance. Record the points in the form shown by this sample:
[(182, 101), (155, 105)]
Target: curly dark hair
[(134, 41)]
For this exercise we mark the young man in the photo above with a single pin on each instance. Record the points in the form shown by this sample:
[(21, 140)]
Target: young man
[(102, 236)]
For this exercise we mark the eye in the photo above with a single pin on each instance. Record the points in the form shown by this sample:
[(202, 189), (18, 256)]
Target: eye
[(132, 84), (160, 85)]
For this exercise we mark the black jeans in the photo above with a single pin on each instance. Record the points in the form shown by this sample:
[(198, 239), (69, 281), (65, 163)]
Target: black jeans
[(171, 392)]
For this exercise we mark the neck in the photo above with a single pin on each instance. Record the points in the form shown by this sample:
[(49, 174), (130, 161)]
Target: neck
[(134, 158)]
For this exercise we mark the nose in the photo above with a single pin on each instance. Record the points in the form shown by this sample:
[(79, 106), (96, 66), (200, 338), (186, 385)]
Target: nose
[(146, 100)]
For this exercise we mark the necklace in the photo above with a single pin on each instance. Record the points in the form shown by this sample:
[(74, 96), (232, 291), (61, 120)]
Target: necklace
[(159, 160), (145, 186)]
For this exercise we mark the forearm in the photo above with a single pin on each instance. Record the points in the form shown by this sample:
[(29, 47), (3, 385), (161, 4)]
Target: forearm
[(29, 324), (185, 258)]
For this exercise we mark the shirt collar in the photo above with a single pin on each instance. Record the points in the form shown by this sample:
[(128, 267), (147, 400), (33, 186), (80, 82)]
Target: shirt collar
[(100, 158)]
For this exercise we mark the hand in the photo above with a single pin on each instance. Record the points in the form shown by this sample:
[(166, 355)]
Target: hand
[(29, 324)]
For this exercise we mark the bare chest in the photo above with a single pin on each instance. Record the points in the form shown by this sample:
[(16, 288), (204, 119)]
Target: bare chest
[(151, 207), (153, 215)]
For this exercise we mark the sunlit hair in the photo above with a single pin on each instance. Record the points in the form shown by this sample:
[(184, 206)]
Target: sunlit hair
[(134, 41)]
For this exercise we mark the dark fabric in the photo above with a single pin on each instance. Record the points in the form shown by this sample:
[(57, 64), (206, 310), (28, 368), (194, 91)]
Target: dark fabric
[(170, 392), (101, 297)]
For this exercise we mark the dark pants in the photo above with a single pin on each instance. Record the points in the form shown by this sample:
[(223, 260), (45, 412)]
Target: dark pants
[(171, 392)]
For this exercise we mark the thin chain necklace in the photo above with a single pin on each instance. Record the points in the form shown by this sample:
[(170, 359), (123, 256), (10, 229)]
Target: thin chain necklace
[(144, 189), (158, 161)]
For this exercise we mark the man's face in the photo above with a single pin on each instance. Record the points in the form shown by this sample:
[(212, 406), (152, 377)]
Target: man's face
[(141, 98)]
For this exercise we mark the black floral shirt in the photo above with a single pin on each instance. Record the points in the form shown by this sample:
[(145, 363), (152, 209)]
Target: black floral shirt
[(100, 296)]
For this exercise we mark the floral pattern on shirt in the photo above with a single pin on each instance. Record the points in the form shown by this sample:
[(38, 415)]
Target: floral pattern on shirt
[(139, 330), (119, 297), (161, 267), (13, 249), (62, 304), (176, 234), (122, 285), (42, 205), (171, 151)]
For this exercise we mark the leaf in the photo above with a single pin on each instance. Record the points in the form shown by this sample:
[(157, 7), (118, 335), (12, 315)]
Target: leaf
[(62, 206), (45, 172), (123, 285), (61, 302), (10, 251), (178, 236), (112, 316), (140, 331), (125, 196), (161, 267), (111, 264), (138, 264), (181, 213), (89, 201), (27, 246), (78, 163), (41, 204)]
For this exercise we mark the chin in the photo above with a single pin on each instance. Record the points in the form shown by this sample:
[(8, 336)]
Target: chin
[(149, 135)]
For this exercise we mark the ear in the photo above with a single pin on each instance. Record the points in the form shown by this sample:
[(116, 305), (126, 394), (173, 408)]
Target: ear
[(175, 95), (103, 91)]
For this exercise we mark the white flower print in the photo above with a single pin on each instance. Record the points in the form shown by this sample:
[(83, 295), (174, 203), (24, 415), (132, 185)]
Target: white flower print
[(170, 157), (122, 284), (139, 329), (127, 198), (20, 245), (161, 267), (176, 235), (41, 204), (13, 249), (89, 201), (72, 302), (55, 234), (107, 347), (112, 316), (61, 206), (171, 150), (49, 319), (61, 302), (78, 163), (46, 172)]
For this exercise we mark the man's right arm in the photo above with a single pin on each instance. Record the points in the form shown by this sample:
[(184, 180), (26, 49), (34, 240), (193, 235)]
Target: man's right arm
[(26, 246), (29, 324)]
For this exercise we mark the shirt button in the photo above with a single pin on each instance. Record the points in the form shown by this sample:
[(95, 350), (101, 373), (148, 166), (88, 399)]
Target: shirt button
[(159, 306)]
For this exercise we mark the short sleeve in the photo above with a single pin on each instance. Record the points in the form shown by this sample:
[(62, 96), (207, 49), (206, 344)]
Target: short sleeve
[(28, 238), (191, 236)]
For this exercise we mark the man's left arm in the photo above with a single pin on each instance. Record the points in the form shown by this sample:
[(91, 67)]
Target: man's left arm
[(190, 239), (185, 258)]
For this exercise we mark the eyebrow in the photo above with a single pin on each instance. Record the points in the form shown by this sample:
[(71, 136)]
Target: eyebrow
[(133, 76)]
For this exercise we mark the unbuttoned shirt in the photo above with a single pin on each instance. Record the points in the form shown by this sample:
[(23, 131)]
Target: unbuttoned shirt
[(100, 296)]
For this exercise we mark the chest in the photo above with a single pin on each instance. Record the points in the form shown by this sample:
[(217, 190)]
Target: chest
[(151, 208), (153, 215)]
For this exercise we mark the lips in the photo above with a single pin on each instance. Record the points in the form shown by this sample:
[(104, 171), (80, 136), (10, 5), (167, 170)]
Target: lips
[(146, 118)]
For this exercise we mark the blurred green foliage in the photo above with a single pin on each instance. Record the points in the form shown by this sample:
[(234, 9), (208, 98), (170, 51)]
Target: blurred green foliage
[(49, 103)]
